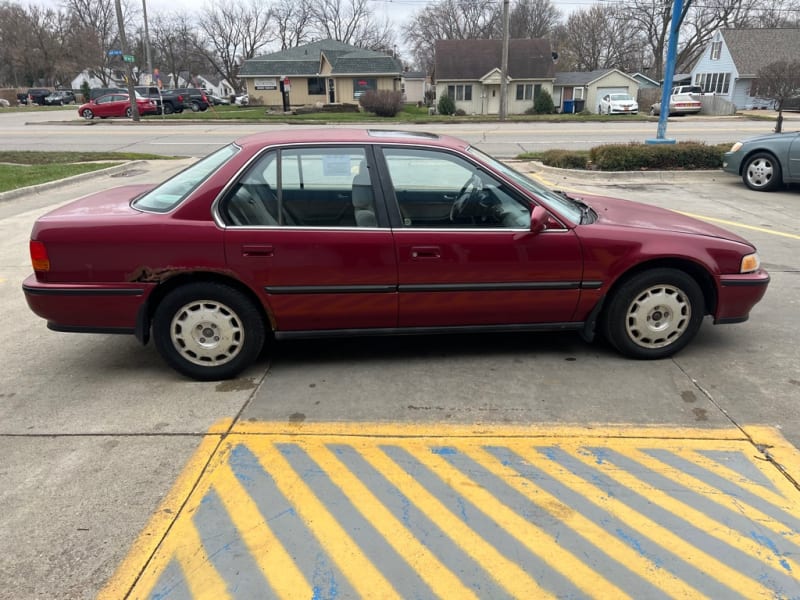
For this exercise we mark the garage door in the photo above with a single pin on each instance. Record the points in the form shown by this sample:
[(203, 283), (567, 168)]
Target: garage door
[(602, 91)]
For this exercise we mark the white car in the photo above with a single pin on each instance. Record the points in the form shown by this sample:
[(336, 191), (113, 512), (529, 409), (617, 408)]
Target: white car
[(618, 104), (679, 104)]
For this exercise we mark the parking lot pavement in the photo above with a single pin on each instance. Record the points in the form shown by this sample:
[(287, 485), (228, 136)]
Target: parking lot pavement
[(329, 511), (95, 430)]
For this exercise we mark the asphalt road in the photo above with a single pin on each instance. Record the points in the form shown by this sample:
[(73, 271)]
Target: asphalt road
[(95, 429), (63, 130)]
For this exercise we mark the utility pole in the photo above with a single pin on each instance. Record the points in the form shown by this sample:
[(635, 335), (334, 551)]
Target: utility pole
[(123, 46), (147, 42), (504, 65)]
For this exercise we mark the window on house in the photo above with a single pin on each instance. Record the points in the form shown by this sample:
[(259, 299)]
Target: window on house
[(316, 86), (460, 92), (363, 84), (578, 93), (716, 50), (525, 91), (717, 83)]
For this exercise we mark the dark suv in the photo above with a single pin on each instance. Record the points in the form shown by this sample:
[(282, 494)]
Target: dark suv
[(194, 98), (34, 96)]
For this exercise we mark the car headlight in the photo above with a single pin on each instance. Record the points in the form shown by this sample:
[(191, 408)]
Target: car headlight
[(736, 146), (750, 263)]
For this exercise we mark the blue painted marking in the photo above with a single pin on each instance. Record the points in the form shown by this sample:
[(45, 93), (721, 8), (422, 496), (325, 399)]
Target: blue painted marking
[(324, 580), (765, 541), (636, 544), (171, 584), (443, 450)]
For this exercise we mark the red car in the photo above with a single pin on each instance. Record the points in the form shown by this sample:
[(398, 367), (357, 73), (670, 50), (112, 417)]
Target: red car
[(116, 105), (335, 232)]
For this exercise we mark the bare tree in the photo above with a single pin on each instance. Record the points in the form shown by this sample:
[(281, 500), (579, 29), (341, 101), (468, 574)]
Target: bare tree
[(352, 22), (449, 20), (533, 19), (778, 80), (292, 21), (232, 32), (174, 41)]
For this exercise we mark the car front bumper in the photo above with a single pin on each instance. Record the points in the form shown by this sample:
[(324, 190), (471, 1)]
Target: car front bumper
[(738, 294)]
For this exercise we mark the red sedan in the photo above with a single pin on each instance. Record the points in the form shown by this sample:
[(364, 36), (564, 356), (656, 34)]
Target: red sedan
[(116, 105), (295, 234)]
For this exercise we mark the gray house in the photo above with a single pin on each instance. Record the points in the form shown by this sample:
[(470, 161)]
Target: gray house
[(730, 63), (578, 90)]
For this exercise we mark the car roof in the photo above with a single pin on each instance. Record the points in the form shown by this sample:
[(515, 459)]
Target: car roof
[(349, 136)]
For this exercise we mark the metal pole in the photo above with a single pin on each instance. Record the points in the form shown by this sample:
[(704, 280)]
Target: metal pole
[(669, 73), (504, 65), (147, 42)]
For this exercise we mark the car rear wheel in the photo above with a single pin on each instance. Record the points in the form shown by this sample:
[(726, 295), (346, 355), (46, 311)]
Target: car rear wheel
[(762, 172), (195, 107), (168, 110), (128, 112), (208, 331), (87, 114), (654, 314)]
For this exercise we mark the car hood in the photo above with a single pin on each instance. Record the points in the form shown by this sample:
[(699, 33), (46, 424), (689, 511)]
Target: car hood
[(769, 137), (624, 213)]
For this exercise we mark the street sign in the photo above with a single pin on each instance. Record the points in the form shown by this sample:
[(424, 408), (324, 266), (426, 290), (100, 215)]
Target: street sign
[(128, 58), (115, 52)]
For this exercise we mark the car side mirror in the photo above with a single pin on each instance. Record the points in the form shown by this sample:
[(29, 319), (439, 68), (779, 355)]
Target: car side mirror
[(538, 219)]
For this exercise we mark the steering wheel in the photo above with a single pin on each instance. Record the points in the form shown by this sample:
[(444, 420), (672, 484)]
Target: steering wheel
[(467, 194)]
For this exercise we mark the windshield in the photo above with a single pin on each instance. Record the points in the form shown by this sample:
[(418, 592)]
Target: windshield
[(561, 204), (172, 192), (622, 97)]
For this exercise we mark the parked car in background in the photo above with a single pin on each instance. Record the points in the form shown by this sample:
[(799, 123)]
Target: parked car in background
[(194, 98), (216, 100), (766, 162), (59, 98), (791, 104), (345, 232), (618, 104), (679, 104), (116, 105), (694, 90), (241, 100), (97, 92), (34, 96)]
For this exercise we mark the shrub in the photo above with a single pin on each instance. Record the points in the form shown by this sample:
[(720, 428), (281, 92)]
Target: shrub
[(664, 157), (564, 159), (384, 103), (85, 90), (460, 112), (429, 97), (446, 106), (543, 104)]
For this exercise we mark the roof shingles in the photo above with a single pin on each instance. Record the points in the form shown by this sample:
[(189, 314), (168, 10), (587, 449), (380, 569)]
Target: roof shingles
[(472, 59)]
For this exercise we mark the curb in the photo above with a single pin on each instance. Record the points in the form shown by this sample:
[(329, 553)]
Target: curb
[(617, 177), (40, 187)]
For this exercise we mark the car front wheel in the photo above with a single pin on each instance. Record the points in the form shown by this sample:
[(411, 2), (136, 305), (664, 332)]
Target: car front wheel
[(654, 314), (87, 114), (762, 172), (208, 331)]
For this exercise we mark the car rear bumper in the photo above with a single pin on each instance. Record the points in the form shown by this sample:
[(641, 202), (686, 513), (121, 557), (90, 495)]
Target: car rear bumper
[(738, 294), (92, 308)]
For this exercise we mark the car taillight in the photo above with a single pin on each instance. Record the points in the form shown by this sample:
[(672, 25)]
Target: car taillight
[(39, 258), (180, 98)]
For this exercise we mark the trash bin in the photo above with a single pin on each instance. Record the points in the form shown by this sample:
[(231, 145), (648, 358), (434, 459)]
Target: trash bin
[(579, 105), (569, 106)]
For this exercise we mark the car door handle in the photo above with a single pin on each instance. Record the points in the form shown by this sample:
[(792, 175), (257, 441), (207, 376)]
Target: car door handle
[(257, 250), (426, 252)]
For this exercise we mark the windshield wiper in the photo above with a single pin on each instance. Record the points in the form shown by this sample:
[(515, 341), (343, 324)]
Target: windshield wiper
[(587, 212)]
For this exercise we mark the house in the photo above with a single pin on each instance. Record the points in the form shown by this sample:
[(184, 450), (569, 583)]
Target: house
[(414, 86), (576, 89), (469, 72), (645, 82), (730, 63), (326, 71)]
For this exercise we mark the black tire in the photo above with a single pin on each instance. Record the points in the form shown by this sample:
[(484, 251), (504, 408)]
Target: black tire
[(762, 172), (654, 314), (87, 114), (185, 324), (195, 107), (128, 112), (168, 110)]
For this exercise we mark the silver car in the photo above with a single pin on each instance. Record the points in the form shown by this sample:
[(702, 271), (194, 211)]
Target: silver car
[(767, 162)]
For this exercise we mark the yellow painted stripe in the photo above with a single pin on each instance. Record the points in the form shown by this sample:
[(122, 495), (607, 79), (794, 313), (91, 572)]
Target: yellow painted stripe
[(200, 576), (741, 225), (365, 578), (669, 583), (276, 564), (158, 525), (552, 431), (507, 573), (784, 454), (643, 525), (535, 539), (440, 579), (705, 562)]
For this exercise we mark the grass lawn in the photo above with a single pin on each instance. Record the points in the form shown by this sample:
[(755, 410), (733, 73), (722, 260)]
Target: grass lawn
[(21, 169)]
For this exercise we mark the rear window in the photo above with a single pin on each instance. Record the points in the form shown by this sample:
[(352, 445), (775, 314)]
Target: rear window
[(173, 191)]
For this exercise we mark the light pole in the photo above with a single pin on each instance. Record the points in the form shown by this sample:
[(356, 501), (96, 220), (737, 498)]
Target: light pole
[(504, 65), (123, 46), (147, 42)]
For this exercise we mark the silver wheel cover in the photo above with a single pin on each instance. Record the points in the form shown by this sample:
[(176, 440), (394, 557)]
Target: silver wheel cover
[(760, 172), (207, 333), (658, 316)]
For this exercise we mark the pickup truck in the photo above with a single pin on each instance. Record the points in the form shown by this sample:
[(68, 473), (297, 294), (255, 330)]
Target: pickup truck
[(168, 101), (34, 96)]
